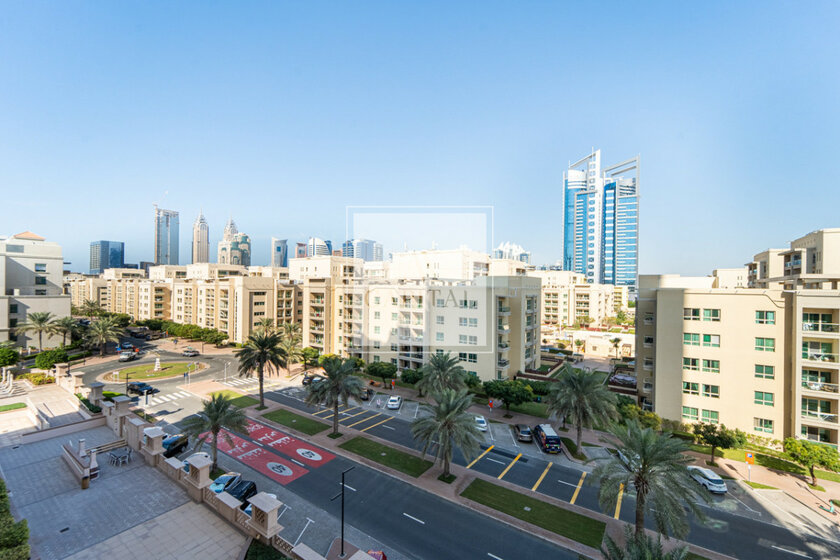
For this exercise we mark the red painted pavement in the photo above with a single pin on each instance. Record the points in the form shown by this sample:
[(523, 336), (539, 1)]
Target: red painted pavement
[(266, 462), (296, 449)]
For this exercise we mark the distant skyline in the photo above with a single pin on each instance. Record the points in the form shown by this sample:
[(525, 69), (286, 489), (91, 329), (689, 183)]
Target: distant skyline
[(284, 114)]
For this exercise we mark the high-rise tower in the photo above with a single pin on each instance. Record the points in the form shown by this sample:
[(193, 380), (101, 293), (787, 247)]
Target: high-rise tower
[(201, 240), (279, 252), (235, 247), (166, 236)]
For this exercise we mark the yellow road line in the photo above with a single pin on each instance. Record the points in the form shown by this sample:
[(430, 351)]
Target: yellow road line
[(577, 490), (618, 504), (365, 419), (348, 409), (352, 416), (504, 472), (486, 451), (542, 476), (375, 425), (327, 410)]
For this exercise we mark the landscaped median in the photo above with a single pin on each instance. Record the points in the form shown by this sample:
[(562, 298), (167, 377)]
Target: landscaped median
[(569, 524), (147, 371), (300, 423), (13, 406), (388, 456), (237, 399)]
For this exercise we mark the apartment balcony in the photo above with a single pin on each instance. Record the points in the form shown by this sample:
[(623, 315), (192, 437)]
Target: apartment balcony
[(530, 326), (821, 327), (819, 386), (503, 364), (316, 314), (503, 329), (316, 329), (504, 348), (503, 311), (822, 357), (819, 417)]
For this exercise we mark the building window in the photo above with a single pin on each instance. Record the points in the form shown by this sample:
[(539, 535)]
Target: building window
[(763, 425), (691, 363), (473, 340), (691, 339), (648, 342), (765, 372), (648, 319), (376, 300), (691, 388), (473, 322), (462, 321), (711, 366), (376, 344), (689, 413), (40, 280), (393, 301), (712, 391), (711, 417), (462, 339), (394, 348), (691, 314), (376, 314), (40, 267), (440, 303), (394, 316), (393, 331), (439, 319), (377, 330), (439, 337), (40, 292), (765, 318), (394, 361), (711, 315), (13, 308), (765, 344), (376, 358), (763, 398), (712, 340)]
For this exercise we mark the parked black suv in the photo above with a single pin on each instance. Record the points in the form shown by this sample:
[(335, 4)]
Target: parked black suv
[(243, 490), (172, 445), (140, 388), (547, 438), (366, 394)]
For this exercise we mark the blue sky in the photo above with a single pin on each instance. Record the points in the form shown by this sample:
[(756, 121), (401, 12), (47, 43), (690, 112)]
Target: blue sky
[(284, 114)]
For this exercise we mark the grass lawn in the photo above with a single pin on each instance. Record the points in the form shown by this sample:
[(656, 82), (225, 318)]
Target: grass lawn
[(692, 556), (570, 445), (301, 423), (817, 487), (238, 399), (388, 456), (759, 486), (260, 551), (777, 463), (13, 406), (572, 525), (145, 416), (530, 408), (447, 479), (147, 371)]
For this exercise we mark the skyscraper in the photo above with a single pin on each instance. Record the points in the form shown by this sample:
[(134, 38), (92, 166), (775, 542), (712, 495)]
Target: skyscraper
[(508, 250), (201, 240), (316, 247), (601, 221), (364, 249), (279, 252), (106, 254), (300, 250), (167, 230), (235, 247)]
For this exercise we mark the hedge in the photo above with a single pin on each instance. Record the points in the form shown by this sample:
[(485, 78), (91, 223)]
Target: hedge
[(14, 536), (48, 358), (89, 405)]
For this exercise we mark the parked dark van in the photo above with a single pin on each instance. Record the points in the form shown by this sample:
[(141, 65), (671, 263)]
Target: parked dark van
[(547, 438)]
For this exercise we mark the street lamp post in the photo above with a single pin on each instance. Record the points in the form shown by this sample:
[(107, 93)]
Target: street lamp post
[(342, 507)]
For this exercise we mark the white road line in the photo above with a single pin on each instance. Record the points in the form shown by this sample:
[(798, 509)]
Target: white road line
[(745, 505), (185, 394), (495, 461), (420, 521), (308, 521), (154, 401), (796, 552), (567, 483), (298, 462), (493, 556), (285, 509), (164, 398), (349, 487), (389, 427)]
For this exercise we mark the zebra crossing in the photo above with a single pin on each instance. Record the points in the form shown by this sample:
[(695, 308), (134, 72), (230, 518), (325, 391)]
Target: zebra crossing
[(169, 397), (249, 383)]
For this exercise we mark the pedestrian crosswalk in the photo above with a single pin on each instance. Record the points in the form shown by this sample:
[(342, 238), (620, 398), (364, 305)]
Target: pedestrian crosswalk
[(169, 397), (250, 383), (233, 382)]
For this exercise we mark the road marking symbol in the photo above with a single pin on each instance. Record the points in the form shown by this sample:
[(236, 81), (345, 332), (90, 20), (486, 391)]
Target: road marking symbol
[(378, 423), (504, 472), (365, 419), (420, 521), (297, 462), (486, 451), (618, 503), (577, 490), (542, 476)]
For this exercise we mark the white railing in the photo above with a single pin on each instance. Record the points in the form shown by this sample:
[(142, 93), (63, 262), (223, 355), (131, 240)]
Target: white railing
[(819, 356), (821, 416), (821, 327), (820, 386)]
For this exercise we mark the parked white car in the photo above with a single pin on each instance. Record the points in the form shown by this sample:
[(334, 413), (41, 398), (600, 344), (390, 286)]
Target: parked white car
[(708, 479), (394, 403), (481, 423)]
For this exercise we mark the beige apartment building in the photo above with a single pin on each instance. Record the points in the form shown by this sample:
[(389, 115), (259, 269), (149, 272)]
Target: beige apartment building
[(765, 358), (567, 298)]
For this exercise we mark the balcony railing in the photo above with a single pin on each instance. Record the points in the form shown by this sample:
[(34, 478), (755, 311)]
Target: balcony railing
[(504, 309), (821, 416), (821, 327), (820, 386), (504, 345), (503, 363), (819, 357)]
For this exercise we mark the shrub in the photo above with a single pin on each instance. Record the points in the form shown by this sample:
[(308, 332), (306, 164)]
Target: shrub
[(13, 535), (109, 395), (411, 376), (37, 378), (79, 355), (9, 356), (684, 435), (89, 405), (538, 387), (48, 358)]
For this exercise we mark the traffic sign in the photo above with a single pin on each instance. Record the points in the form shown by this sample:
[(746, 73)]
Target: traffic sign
[(750, 458)]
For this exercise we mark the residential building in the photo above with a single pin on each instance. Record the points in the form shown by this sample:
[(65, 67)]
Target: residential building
[(279, 253), (364, 249), (567, 298), (201, 240), (31, 280), (106, 254), (453, 264), (601, 221), (167, 231), (235, 247), (512, 251), (765, 358)]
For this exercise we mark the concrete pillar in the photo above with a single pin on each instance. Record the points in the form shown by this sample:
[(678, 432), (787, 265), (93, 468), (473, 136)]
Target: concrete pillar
[(199, 476), (82, 450), (61, 370), (264, 515), (121, 406), (77, 381), (134, 431), (95, 395)]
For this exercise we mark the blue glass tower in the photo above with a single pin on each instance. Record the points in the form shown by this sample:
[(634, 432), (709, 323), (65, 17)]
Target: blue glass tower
[(601, 220), (106, 254)]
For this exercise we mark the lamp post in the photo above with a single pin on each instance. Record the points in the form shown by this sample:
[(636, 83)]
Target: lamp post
[(342, 507)]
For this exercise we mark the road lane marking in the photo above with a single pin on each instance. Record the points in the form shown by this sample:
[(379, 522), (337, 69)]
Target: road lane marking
[(308, 521), (378, 423), (577, 490), (542, 476), (495, 460), (504, 472), (567, 483), (366, 419), (486, 451), (296, 462), (796, 552), (420, 521), (389, 427), (328, 410), (349, 487), (618, 503), (353, 415), (493, 556)]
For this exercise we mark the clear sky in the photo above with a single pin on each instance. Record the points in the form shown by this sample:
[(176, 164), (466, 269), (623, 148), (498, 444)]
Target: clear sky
[(283, 114)]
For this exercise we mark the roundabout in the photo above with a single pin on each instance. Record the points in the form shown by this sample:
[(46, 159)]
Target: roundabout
[(148, 371)]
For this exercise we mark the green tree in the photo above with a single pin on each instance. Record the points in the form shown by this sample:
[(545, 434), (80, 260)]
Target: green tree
[(102, 331), (309, 356), (266, 324), (578, 344), (290, 330), (411, 376), (581, 397), (442, 372), (640, 547), (260, 353), (510, 392), (216, 414), (48, 358), (811, 455), (383, 370), (9, 356), (66, 327), (716, 436), (290, 349), (656, 469), (621, 316), (90, 308), (338, 385), (40, 323), (447, 425), (616, 344)]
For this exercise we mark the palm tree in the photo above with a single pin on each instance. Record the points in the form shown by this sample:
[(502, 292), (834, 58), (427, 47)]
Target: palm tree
[(616, 342), (217, 413), (578, 343), (582, 398), (40, 323), (654, 464), (338, 385), (643, 547), (290, 330), (446, 425), (265, 324), (290, 349), (442, 372), (260, 352), (90, 308), (103, 331), (66, 326)]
